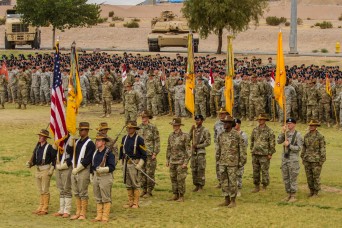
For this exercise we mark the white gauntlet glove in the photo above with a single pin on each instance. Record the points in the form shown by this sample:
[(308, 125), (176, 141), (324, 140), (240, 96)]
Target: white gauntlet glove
[(78, 169), (100, 170), (140, 164)]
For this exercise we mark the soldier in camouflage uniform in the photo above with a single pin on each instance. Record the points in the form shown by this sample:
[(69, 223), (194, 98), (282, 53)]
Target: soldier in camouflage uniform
[(324, 105), (292, 145), (22, 93), (313, 156), (95, 83), (65, 82), (312, 97), (339, 99), (179, 91), (132, 102), (244, 98), (111, 144), (107, 98), (44, 87), (177, 158), (336, 90), (218, 129), (290, 94), (256, 92), (141, 89), (35, 84), (262, 149), (84, 82), (3, 84), (232, 156), (201, 91), (215, 95), (152, 88), (12, 84), (150, 134), (200, 137)]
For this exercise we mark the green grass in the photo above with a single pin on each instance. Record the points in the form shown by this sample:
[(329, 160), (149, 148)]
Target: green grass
[(19, 196)]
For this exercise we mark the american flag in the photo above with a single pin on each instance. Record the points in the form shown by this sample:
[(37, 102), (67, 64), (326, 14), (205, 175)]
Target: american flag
[(57, 118)]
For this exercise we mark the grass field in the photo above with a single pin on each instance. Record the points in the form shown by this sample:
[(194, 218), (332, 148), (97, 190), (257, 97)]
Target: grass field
[(19, 196)]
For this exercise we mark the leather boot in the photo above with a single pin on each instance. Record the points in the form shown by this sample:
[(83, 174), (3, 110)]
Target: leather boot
[(264, 188), (256, 189), (84, 205), (130, 199), (40, 207), (144, 192), (174, 197), (226, 202), (18, 106), (107, 116), (24, 107), (99, 213), (46, 199), (286, 199), (312, 192), (148, 194), (61, 208), (78, 209), (106, 211), (136, 198), (67, 207), (181, 198), (232, 203), (292, 198), (195, 189), (200, 188)]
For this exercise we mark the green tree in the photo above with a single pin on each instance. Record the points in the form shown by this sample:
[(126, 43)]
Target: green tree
[(60, 14), (213, 16)]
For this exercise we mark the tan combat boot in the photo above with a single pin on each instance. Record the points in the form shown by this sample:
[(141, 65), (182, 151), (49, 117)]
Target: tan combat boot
[(84, 205), (226, 202), (174, 197), (181, 198), (311, 193), (286, 199), (264, 188), (78, 209), (232, 203), (24, 107), (200, 188), (99, 213), (144, 192), (256, 189), (18, 106), (195, 189), (41, 204), (136, 199), (46, 199), (106, 211), (292, 198), (103, 116), (148, 194), (130, 199)]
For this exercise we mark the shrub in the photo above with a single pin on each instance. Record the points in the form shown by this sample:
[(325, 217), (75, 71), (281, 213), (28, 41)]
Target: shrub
[(131, 24), (111, 14), (324, 50), (299, 21), (273, 20), (312, 26), (324, 25), (2, 21), (136, 19), (117, 18), (308, 18), (314, 51), (102, 20), (112, 25), (287, 23), (340, 18)]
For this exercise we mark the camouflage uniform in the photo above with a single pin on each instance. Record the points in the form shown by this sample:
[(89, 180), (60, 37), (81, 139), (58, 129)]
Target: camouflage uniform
[(241, 170), (256, 92), (152, 88), (312, 97), (132, 103), (3, 83), (215, 96), (290, 159), (65, 82), (324, 105), (95, 83), (244, 99), (201, 140), (262, 145), (201, 92), (336, 90), (107, 98), (141, 89), (290, 94), (313, 156), (12, 85), (179, 91), (232, 156), (22, 92), (178, 153), (44, 88), (84, 82), (150, 134), (35, 84), (218, 129), (339, 100)]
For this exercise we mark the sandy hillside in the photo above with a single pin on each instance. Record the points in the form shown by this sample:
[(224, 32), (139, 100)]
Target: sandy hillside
[(259, 39)]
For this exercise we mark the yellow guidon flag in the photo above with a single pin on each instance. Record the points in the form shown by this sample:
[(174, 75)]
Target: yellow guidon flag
[(190, 78), (327, 85), (280, 77), (229, 90), (74, 92)]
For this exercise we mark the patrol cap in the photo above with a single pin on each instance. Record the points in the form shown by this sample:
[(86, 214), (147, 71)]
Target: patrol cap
[(199, 117), (291, 120)]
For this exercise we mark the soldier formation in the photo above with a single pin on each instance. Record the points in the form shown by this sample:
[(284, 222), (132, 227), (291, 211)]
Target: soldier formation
[(156, 86)]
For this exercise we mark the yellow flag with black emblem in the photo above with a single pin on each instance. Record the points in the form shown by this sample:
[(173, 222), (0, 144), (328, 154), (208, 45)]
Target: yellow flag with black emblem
[(229, 91), (280, 77), (190, 78)]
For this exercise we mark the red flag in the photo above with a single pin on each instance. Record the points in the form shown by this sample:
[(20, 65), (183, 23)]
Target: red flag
[(272, 79), (211, 78), (124, 73), (4, 70)]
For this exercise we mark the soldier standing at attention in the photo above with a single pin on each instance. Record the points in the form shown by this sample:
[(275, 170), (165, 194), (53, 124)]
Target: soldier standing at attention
[(313, 156), (293, 143), (200, 137), (218, 129), (150, 134), (44, 87), (201, 91), (35, 84), (44, 157), (131, 101), (3, 85), (63, 181), (103, 128), (133, 156), (81, 162), (242, 168), (102, 177), (22, 92), (262, 148), (179, 91), (177, 158), (107, 98), (232, 156)]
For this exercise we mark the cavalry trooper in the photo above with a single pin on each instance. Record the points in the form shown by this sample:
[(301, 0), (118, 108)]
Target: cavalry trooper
[(232, 156), (292, 145), (200, 137), (242, 168), (218, 129), (44, 157), (178, 154), (131, 102), (150, 134), (262, 148), (81, 161), (63, 181), (102, 167), (107, 98), (313, 156), (133, 155), (110, 143)]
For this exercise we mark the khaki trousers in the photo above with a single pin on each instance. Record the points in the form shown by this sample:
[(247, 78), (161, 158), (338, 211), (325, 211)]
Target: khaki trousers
[(80, 183), (102, 187), (43, 181), (63, 181)]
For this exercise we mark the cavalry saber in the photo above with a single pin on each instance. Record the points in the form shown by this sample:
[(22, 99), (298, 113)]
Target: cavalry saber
[(141, 170)]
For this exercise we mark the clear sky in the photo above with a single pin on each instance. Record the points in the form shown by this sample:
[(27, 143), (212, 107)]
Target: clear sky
[(116, 2)]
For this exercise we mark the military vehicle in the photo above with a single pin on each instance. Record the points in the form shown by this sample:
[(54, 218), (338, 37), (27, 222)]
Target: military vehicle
[(18, 33), (168, 30)]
